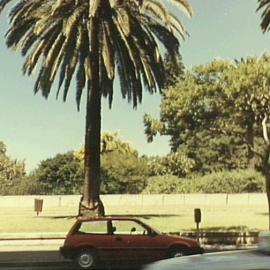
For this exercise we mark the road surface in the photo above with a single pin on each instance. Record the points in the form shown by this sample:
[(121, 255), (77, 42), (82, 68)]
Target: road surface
[(36, 260)]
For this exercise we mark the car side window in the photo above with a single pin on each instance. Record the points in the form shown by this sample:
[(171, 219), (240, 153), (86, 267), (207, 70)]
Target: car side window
[(93, 227), (127, 227)]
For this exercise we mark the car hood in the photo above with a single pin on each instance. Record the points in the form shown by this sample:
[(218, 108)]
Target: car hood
[(237, 260), (177, 237)]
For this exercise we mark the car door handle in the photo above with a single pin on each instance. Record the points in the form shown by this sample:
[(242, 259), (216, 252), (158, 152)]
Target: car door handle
[(118, 238)]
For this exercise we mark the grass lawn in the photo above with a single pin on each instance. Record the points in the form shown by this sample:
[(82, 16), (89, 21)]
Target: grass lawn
[(166, 219)]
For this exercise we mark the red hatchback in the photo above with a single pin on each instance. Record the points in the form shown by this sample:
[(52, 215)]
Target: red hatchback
[(114, 240)]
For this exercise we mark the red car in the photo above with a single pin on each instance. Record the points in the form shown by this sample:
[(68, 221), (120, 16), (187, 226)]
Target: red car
[(114, 240)]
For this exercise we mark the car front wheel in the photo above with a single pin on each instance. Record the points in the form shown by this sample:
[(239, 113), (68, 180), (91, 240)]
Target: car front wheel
[(86, 259), (178, 252)]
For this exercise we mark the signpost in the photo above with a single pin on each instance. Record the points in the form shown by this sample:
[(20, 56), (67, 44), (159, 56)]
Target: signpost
[(197, 219), (38, 205)]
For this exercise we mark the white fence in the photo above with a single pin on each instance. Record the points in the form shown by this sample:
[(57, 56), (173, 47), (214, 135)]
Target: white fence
[(140, 200)]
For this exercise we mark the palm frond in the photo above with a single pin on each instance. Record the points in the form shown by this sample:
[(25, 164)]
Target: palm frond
[(3, 4), (106, 83), (161, 12), (93, 7), (107, 51), (156, 8), (122, 18), (72, 21), (183, 5), (70, 50), (176, 24), (16, 33), (265, 17), (58, 37), (81, 76)]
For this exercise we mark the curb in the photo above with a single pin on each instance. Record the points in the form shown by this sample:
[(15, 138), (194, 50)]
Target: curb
[(32, 236)]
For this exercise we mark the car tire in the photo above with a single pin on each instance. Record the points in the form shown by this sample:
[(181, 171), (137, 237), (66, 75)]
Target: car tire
[(178, 252), (86, 259)]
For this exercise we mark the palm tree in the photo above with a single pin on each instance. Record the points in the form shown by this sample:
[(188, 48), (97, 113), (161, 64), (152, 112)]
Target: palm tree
[(90, 38)]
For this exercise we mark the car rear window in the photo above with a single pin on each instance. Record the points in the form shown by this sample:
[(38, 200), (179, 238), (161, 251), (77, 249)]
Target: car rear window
[(93, 227)]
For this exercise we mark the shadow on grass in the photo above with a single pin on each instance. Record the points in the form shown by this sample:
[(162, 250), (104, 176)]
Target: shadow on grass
[(262, 214), (240, 228), (58, 217), (146, 216), (142, 216), (225, 229)]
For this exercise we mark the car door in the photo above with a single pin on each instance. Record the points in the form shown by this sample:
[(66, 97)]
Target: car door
[(133, 242), (95, 233)]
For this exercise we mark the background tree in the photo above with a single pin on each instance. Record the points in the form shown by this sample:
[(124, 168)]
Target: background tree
[(12, 172), (235, 181), (122, 170), (174, 70), (123, 173), (62, 174), (264, 5), (220, 107), (92, 37), (193, 113), (213, 115), (176, 164)]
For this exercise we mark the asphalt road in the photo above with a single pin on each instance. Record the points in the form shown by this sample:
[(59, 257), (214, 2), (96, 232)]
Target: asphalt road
[(36, 266), (38, 260), (46, 266)]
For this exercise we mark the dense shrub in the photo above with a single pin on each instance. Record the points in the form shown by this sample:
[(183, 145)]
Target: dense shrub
[(172, 164), (26, 185), (59, 175), (122, 173), (242, 181)]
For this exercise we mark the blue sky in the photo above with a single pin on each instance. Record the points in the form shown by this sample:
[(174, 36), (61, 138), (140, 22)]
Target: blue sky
[(35, 129)]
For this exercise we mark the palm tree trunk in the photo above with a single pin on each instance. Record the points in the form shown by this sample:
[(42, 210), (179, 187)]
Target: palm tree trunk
[(91, 204)]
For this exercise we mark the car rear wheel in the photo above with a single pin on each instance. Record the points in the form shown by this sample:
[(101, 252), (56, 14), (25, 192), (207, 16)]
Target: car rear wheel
[(178, 252), (86, 259)]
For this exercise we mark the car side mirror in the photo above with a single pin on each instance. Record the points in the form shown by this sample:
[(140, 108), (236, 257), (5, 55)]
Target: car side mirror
[(133, 229), (152, 233)]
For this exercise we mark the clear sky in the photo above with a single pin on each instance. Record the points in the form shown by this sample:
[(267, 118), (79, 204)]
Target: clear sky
[(35, 129)]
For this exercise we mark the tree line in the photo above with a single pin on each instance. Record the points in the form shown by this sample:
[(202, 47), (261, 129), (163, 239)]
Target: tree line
[(123, 171), (92, 38)]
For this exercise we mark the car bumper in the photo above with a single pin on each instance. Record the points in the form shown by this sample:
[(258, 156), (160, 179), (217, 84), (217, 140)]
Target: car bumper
[(67, 253), (197, 250)]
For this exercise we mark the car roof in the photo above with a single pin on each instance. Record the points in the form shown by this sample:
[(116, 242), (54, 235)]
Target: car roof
[(106, 218), (236, 260)]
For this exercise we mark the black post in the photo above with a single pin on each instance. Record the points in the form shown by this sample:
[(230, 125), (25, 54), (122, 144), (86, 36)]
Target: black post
[(197, 219)]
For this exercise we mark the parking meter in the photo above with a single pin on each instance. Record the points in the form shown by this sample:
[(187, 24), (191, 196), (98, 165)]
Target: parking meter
[(197, 219)]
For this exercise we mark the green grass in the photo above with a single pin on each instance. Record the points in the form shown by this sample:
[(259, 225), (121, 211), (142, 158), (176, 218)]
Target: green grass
[(166, 219)]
